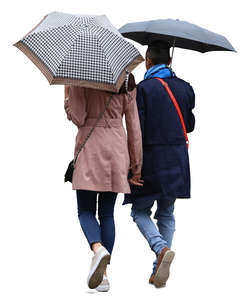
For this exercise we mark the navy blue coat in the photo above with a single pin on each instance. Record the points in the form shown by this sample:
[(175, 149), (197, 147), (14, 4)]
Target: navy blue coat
[(165, 171)]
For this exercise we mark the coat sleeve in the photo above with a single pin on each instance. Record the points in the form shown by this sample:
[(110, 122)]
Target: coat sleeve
[(134, 137), (75, 104), (191, 118)]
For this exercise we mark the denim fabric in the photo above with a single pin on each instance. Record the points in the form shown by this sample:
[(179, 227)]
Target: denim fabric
[(159, 236), (104, 230)]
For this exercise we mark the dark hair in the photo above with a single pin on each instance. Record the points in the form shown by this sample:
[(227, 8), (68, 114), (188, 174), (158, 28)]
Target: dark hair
[(131, 85), (159, 52)]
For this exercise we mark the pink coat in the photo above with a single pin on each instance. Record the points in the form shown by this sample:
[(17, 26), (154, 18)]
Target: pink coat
[(104, 162)]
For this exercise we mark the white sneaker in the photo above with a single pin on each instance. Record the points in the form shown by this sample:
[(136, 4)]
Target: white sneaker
[(98, 267), (104, 285)]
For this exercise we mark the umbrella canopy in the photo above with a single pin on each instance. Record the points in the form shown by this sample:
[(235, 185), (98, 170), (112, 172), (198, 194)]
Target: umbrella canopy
[(82, 50), (177, 33)]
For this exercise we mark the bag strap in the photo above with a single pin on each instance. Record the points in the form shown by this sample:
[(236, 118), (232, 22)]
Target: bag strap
[(90, 132), (177, 108)]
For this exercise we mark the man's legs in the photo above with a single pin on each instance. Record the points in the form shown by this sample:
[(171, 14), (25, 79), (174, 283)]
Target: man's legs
[(159, 239), (148, 229), (165, 223)]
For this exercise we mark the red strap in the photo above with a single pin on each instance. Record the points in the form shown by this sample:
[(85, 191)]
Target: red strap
[(177, 108)]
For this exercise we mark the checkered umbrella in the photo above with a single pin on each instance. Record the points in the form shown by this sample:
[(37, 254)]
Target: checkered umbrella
[(82, 50)]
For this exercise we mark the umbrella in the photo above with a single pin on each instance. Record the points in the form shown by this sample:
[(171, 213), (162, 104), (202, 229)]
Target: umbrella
[(82, 50), (176, 33)]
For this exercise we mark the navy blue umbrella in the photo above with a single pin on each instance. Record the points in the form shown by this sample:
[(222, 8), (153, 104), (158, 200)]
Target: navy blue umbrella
[(176, 33)]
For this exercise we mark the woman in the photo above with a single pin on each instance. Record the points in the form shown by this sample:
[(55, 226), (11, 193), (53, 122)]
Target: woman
[(103, 164)]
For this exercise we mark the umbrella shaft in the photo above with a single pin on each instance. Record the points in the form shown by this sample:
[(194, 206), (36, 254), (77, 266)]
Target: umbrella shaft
[(172, 52)]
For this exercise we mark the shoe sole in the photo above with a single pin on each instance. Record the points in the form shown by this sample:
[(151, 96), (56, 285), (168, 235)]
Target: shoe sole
[(152, 283), (162, 273), (97, 276), (103, 288)]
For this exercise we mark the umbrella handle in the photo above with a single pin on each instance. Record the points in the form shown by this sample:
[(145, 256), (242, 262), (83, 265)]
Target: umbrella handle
[(126, 80), (172, 51)]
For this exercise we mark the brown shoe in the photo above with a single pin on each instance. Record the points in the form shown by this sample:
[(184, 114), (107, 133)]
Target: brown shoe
[(164, 261)]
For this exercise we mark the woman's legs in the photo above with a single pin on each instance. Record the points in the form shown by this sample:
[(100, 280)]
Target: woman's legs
[(97, 234), (87, 203), (106, 202)]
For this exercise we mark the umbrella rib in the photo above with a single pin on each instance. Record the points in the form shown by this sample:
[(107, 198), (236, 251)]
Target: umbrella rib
[(60, 64)]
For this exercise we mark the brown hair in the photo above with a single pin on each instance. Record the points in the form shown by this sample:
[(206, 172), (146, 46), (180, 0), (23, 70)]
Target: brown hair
[(131, 85)]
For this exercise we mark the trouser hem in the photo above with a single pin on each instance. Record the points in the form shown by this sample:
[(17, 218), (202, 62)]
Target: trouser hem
[(93, 242)]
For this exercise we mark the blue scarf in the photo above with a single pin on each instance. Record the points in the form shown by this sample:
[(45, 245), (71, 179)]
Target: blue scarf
[(160, 70)]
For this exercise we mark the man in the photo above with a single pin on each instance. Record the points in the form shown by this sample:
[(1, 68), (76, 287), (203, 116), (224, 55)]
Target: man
[(165, 171)]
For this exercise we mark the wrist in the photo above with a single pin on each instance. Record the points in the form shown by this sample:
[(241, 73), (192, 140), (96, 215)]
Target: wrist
[(136, 174)]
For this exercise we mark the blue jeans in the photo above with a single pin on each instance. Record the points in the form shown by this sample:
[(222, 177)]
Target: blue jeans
[(159, 236), (104, 230)]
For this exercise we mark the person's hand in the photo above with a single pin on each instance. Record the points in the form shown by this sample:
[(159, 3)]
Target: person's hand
[(66, 92), (136, 180)]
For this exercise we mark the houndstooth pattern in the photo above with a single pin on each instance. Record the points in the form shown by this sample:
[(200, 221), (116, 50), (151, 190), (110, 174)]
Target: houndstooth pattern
[(57, 19), (81, 47)]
